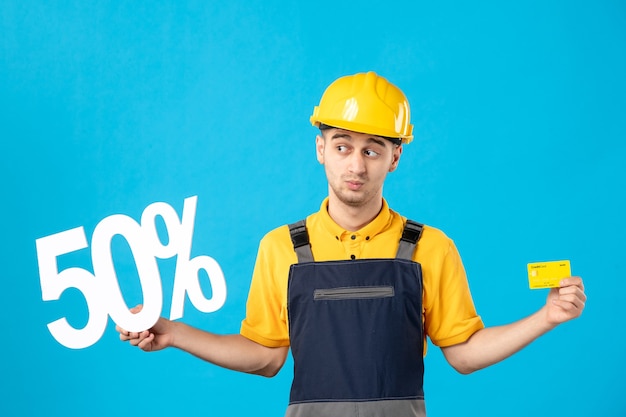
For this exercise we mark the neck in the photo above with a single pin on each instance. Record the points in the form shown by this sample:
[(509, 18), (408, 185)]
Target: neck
[(353, 218)]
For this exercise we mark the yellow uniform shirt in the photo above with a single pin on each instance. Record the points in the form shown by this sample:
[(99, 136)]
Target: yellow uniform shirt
[(449, 314)]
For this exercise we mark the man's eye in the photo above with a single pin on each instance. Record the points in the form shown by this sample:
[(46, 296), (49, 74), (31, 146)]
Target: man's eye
[(342, 148), (371, 153)]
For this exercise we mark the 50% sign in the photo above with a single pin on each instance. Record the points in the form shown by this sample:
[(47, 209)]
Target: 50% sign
[(101, 288)]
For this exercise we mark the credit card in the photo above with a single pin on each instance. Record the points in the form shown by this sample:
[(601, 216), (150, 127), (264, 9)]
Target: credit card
[(547, 274)]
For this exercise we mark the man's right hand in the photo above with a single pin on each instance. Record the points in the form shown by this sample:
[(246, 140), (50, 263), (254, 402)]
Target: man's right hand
[(156, 338)]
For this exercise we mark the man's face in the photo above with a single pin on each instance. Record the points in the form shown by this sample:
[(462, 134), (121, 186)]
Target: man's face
[(356, 164)]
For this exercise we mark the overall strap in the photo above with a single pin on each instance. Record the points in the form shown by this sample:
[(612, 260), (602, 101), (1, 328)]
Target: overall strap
[(300, 240), (411, 234)]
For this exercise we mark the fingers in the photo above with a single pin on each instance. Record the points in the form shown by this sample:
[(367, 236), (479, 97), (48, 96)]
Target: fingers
[(138, 337), (125, 335), (143, 340), (134, 338), (573, 290), (146, 343), (573, 281), (571, 302), (571, 296)]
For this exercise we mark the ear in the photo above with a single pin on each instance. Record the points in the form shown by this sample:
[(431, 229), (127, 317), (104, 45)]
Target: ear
[(397, 152), (319, 148)]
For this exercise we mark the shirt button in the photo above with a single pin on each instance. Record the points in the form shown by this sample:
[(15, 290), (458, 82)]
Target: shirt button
[(352, 257), (353, 237)]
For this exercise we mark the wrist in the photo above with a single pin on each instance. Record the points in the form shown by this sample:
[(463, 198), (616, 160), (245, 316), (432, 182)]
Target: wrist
[(173, 330), (545, 322)]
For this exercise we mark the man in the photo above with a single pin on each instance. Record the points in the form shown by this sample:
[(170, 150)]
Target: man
[(355, 288)]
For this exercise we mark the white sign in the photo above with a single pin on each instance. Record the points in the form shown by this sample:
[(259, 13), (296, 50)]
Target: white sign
[(101, 288)]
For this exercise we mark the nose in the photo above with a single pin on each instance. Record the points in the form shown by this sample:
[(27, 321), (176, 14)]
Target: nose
[(357, 163)]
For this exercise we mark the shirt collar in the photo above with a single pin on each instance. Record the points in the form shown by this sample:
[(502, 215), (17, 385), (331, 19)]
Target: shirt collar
[(380, 223)]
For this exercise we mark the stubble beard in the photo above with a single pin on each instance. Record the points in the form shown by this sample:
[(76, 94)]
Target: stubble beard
[(353, 199)]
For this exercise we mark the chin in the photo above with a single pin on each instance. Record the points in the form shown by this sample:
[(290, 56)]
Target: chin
[(354, 200)]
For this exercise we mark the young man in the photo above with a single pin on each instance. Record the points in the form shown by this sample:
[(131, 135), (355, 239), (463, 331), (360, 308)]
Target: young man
[(355, 288)]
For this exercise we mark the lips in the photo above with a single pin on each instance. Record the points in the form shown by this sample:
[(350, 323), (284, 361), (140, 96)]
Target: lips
[(354, 185)]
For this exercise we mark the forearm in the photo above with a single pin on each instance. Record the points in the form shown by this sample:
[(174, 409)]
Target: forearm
[(229, 351), (491, 345), (494, 344)]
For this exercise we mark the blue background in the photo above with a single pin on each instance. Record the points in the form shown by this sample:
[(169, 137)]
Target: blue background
[(519, 113)]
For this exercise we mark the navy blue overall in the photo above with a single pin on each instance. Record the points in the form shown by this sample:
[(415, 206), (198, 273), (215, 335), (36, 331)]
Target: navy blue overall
[(356, 333)]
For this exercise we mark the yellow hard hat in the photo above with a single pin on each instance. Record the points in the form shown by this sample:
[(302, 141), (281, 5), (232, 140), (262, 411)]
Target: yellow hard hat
[(365, 103)]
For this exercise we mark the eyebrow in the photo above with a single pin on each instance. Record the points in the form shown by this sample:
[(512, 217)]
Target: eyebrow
[(370, 139)]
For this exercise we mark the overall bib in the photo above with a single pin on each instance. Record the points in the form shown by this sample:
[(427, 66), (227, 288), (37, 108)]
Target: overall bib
[(356, 333)]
